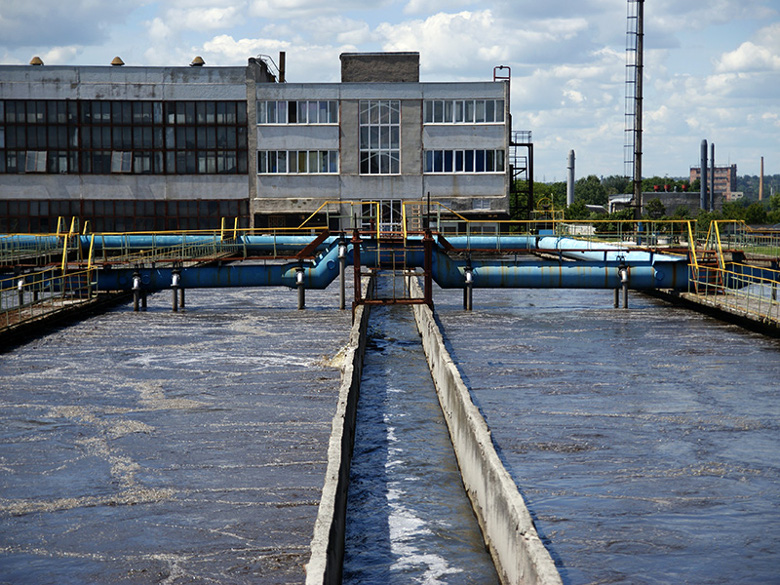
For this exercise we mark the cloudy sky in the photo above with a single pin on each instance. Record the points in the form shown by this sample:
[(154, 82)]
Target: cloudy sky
[(712, 67)]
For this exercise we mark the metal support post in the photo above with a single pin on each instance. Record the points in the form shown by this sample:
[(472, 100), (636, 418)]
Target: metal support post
[(428, 267), (356, 267), (20, 288), (136, 290), (301, 288), (617, 298), (342, 272), (623, 272), (175, 282), (468, 288)]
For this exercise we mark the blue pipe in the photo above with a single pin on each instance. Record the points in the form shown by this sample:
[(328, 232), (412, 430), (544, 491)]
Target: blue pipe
[(316, 275), (448, 273)]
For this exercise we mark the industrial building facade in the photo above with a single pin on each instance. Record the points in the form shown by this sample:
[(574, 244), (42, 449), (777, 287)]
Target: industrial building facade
[(169, 148)]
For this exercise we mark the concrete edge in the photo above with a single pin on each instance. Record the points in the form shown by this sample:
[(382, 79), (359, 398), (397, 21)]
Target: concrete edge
[(507, 527), (327, 545)]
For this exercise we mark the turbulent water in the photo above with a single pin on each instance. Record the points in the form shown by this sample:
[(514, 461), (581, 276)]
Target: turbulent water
[(190, 447), (408, 517), (166, 447), (646, 442)]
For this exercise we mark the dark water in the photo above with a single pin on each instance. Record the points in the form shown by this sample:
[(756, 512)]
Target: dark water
[(408, 517), (166, 447), (646, 442)]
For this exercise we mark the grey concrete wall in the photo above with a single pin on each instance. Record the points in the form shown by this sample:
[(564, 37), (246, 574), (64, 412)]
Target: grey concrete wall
[(327, 545), (509, 532), (130, 187)]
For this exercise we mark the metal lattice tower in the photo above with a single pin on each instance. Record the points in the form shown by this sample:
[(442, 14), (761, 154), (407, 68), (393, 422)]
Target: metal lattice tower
[(632, 146)]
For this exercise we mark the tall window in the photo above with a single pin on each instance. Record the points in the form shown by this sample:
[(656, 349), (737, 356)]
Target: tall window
[(380, 137)]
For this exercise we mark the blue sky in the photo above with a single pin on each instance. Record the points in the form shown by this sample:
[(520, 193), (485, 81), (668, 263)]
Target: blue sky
[(712, 67)]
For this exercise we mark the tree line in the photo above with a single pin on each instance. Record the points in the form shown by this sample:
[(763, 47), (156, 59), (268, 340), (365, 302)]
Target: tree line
[(595, 191)]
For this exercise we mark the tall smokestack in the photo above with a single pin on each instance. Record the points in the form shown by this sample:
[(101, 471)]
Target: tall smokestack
[(712, 177), (282, 67), (703, 176), (570, 180), (761, 181)]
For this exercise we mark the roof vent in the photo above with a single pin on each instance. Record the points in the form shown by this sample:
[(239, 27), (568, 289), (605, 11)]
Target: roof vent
[(36, 61), (117, 62), (197, 62)]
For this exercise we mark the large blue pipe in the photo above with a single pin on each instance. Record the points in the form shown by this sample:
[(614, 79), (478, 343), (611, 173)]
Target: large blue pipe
[(316, 275)]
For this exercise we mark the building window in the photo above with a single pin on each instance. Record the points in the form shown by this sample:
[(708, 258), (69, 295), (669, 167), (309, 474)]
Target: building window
[(380, 137), (35, 161), (298, 112), (463, 111), (121, 162), (292, 162), (464, 161), (112, 136)]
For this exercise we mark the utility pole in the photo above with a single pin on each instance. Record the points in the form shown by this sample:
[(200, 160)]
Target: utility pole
[(638, 108)]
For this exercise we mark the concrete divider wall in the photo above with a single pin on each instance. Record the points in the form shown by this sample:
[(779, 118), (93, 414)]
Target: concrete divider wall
[(507, 526), (327, 546)]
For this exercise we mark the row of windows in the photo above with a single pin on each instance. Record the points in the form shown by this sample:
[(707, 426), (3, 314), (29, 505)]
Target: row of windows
[(101, 137), (119, 215), (103, 162), (298, 112), (297, 162), (464, 161), (463, 111), (122, 112), (123, 137)]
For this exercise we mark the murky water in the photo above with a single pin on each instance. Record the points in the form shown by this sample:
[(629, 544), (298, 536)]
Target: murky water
[(646, 442), (166, 447), (408, 517)]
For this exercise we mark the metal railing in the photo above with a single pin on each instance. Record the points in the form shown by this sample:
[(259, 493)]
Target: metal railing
[(30, 296), (742, 288)]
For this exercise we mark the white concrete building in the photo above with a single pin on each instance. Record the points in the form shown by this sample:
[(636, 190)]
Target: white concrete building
[(154, 148)]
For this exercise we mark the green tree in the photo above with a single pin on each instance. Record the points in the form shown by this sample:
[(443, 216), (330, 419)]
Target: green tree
[(654, 209), (616, 184), (590, 191), (576, 210), (755, 214)]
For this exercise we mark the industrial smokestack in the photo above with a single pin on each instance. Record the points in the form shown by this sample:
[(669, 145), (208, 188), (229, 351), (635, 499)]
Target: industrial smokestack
[(570, 180), (703, 177), (761, 181), (712, 177), (282, 67)]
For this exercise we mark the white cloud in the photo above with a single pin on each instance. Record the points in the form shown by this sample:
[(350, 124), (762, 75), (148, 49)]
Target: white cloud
[(762, 55), (205, 18), (428, 6)]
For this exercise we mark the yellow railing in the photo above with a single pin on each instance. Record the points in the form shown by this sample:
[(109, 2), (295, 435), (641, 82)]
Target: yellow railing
[(744, 289), (30, 296)]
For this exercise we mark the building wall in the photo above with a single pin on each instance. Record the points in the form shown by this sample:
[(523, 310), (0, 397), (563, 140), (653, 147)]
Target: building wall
[(480, 194), (265, 197), (725, 178)]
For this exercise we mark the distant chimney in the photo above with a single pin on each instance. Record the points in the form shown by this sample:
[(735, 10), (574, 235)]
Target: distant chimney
[(282, 67), (570, 180), (117, 62), (36, 61)]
